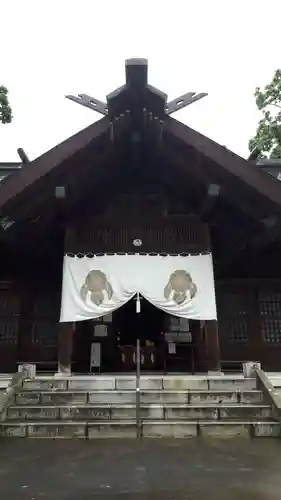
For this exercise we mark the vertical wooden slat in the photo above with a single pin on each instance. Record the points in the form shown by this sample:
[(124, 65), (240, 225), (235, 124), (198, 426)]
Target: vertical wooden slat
[(25, 347), (175, 235), (211, 326), (212, 345), (66, 330), (9, 324), (255, 332), (65, 346)]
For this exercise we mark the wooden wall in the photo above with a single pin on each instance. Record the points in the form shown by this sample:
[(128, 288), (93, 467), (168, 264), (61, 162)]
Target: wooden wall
[(249, 314), (30, 298), (163, 223), (28, 325), (249, 311)]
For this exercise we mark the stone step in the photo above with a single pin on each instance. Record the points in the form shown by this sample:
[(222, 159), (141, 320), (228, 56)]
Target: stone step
[(128, 412), (211, 429), (149, 429), (57, 396), (122, 383)]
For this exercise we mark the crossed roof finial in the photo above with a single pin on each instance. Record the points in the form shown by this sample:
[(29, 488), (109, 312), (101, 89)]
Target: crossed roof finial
[(136, 77)]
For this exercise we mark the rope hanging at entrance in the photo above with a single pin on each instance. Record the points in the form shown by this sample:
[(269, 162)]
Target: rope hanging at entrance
[(90, 255), (93, 287)]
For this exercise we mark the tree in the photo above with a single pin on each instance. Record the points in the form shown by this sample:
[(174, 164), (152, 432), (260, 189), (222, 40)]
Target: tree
[(5, 108), (267, 141)]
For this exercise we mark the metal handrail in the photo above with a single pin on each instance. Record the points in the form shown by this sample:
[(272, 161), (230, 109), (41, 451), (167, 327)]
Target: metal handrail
[(138, 416)]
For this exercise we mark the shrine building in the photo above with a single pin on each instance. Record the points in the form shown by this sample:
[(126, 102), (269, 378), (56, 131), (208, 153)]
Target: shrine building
[(139, 227)]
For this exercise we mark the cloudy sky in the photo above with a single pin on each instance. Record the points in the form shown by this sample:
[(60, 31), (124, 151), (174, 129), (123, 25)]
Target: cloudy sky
[(55, 47)]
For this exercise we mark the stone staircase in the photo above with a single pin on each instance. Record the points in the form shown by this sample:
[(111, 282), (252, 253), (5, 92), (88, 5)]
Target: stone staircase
[(275, 379), (170, 406)]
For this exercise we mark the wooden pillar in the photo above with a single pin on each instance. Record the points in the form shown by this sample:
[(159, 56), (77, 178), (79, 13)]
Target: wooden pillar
[(65, 345), (256, 344), (65, 337), (212, 345), (25, 345), (197, 340), (65, 330)]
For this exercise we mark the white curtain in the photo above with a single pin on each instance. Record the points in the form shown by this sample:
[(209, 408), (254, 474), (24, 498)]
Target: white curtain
[(179, 285)]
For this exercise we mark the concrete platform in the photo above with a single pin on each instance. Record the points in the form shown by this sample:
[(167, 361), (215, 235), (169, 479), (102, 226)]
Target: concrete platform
[(204, 469)]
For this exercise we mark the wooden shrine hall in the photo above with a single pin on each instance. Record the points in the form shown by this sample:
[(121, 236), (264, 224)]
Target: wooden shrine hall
[(138, 180)]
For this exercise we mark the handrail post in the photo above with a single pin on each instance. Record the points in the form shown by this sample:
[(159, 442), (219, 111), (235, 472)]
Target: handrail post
[(138, 419)]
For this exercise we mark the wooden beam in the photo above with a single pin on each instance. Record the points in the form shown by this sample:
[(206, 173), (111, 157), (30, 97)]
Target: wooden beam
[(210, 200), (23, 156), (17, 183), (270, 232), (212, 345), (196, 165), (89, 102), (65, 347), (37, 198), (187, 162), (136, 72), (252, 176), (183, 101)]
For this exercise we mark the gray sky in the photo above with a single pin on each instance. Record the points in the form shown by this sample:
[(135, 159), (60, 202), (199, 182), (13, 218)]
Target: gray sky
[(55, 47)]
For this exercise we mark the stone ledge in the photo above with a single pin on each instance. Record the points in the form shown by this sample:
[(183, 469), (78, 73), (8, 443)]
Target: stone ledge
[(55, 430), (271, 395), (8, 396), (112, 430), (169, 429), (150, 429), (224, 430), (264, 429), (147, 382), (110, 412)]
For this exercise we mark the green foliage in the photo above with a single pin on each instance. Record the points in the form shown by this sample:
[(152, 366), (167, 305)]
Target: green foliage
[(267, 141), (5, 108)]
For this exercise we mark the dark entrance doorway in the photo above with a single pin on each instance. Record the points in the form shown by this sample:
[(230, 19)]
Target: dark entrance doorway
[(148, 326), (165, 345)]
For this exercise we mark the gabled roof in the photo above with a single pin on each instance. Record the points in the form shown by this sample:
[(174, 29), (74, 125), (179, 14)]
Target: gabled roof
[(137, 102), (49, 161), (227, 160)]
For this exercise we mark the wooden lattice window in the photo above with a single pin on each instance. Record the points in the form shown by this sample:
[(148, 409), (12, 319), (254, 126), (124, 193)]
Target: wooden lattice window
[(9, 317), (233, 316), (45, 319), (270, 313)]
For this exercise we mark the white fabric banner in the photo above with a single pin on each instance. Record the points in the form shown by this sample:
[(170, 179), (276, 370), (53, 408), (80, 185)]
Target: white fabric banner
[(179, 285)]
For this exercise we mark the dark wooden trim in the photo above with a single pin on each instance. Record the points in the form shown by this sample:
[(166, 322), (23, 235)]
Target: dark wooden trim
[(209, 202), (25, 344), (16, 183), (194, 165), (153, 220), (159, 234), (65, 346), (212, 345), (265, 184), (65, 330), (247, 282), (254, 325)]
